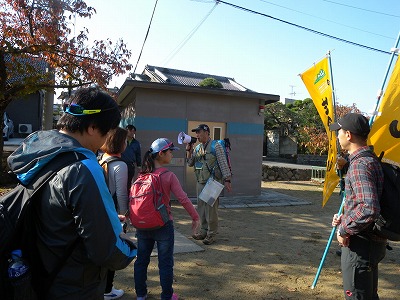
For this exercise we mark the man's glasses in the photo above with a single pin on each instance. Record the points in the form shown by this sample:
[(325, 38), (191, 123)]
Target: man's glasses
[(77, 110)]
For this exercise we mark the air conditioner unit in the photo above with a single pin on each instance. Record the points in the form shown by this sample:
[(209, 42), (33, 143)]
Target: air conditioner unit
[(25, 128)]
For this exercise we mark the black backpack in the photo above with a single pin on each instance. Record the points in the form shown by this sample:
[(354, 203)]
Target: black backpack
[(16, 227), (388, 223)]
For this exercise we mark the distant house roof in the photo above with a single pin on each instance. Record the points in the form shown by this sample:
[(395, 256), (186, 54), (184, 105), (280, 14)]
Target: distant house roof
[(23, 67), (172, 79), (173, 76)]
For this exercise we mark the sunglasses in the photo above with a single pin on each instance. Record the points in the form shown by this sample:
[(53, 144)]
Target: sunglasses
[(77, 110)]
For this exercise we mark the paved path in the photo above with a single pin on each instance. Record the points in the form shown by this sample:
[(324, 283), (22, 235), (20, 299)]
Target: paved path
[(267, 198)]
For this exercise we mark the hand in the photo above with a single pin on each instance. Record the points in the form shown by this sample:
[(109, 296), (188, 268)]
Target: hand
[(189, 147), (195, 226), (344, 241), (122, 218), (228, 186), (340, 162), (337, 219)]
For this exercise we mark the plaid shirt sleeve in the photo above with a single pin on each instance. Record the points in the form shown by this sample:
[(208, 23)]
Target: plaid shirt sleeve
[(222, 162), (364, 182)]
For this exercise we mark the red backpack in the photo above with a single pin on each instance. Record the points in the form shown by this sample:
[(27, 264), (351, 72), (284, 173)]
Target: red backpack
[(146, 210)]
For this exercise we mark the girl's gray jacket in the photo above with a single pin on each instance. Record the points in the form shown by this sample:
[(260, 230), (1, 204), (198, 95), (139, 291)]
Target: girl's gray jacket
[(75, 204)]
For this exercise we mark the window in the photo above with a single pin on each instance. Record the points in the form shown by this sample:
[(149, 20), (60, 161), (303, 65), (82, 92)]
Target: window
[(217, 133)]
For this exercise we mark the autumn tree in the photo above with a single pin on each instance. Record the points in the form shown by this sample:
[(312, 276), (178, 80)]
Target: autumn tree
[(303, 121), (38, 50)]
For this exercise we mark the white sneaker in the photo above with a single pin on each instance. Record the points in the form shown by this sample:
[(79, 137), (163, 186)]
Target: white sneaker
[(114, 294)]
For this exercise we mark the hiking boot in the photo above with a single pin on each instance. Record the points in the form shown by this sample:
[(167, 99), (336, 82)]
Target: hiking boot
[(209, 240), (199, 236), (114, 294)]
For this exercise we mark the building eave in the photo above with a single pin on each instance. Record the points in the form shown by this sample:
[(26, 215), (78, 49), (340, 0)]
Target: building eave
[(130, 85)]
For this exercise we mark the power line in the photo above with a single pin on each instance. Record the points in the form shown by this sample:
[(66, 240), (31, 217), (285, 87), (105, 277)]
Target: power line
[(147, 34), (300, 12), (304, 28), (187, 38), (372, 11)]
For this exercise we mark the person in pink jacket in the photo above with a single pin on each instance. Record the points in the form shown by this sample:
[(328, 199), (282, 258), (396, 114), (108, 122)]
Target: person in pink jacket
[(160, 154)]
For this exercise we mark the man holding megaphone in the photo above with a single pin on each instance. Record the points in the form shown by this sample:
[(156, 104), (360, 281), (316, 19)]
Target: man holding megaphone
[(207, 164), (183, 138)]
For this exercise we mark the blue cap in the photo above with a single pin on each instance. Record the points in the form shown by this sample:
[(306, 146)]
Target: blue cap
[(162, 144)]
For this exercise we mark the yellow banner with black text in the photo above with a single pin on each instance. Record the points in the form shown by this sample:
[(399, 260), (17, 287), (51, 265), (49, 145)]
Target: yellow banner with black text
[(385, 130), (318, 83)]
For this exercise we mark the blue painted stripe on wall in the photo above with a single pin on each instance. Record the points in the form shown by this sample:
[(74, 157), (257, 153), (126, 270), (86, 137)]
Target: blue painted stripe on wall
[(245, 129), (177, 125), (160, 124)]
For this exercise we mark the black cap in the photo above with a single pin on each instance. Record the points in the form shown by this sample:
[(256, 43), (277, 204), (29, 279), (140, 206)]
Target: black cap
[(202, 127), (355, 123)]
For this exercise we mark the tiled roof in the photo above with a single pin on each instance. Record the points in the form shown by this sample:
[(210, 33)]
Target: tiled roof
[(180, 77), (29, 64)]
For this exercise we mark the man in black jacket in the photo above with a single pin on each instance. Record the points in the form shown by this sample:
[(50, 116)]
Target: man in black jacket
[(75, 204)]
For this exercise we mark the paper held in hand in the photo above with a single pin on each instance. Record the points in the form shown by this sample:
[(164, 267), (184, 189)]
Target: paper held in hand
[(211, 191)]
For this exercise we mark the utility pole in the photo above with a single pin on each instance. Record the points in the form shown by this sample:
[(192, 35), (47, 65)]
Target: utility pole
[(293, 93)]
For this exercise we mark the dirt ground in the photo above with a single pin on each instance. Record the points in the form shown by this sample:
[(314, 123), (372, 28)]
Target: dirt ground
[(265, 253)]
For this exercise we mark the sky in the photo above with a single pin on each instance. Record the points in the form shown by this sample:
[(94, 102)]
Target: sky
[(264, 54)]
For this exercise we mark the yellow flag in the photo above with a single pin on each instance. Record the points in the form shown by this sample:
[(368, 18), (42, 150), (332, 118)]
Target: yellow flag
[(385, 131), (318, 83)]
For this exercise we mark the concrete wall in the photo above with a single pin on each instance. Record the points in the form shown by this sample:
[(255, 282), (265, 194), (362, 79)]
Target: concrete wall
[(272, 143), (274, 173), (287, 145), (165, 113)]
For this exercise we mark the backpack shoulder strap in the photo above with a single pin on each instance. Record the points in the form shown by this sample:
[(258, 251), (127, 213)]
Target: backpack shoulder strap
[(52, 167), (212, 147), (158, 174), (161, 171), (109, 159)]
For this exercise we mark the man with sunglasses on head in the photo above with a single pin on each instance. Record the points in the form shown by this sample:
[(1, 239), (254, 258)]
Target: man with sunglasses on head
[(78, 232)]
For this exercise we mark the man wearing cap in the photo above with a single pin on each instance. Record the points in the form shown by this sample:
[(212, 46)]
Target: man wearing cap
[(206, 164), (132, 154), (362, 250)]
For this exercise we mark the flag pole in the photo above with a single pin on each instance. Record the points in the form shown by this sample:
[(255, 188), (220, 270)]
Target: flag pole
[(328, 244), (380, 92)]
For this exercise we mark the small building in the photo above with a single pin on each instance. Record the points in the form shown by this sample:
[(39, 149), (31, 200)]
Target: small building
[(163, 102), (34, 111)]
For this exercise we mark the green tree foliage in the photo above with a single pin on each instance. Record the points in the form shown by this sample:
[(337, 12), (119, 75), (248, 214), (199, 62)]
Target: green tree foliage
[(302, 121), (211, 83), (278, 115)]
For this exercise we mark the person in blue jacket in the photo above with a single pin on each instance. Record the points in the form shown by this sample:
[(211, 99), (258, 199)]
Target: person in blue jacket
[(76, 209)]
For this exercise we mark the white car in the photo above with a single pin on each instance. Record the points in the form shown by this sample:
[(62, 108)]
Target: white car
[(8, 129)]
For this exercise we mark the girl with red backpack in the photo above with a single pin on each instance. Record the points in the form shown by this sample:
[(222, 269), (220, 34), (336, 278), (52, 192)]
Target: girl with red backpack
[(160, 154)]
